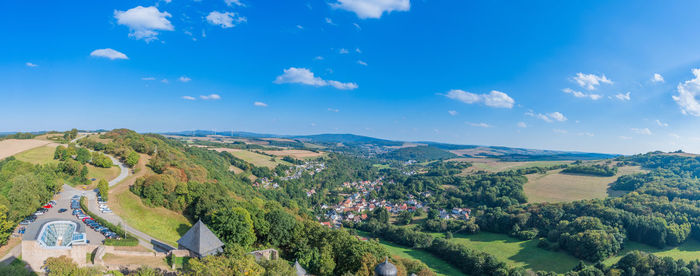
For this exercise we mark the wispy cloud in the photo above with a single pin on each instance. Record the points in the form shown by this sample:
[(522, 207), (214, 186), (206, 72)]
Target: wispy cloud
[(234, 2), (108, 53), (452, 112), (144, 22), (623, 97), (657, 78), (305, 76), (590, 81), (260, 104), (184, 79), (559, 131), (190, 98), (29, 64), (624, 137), (579, 94), (343, 51), (661, 124), (210, 97), (549, 117), (643, 131), (372, 8), (362, 63), (494, 99), (225, 19), (484, 125), (522, 125), (148, 78), (333, 109)]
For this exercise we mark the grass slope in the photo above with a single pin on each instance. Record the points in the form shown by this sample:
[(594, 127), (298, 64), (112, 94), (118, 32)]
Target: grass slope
[(559, 187), (437, 265), (39, 155), (689, 251), (102, 173), (256, 159), (517, 253)]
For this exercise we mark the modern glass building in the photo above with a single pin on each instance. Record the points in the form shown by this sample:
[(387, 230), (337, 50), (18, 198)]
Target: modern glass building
[(60, 234)]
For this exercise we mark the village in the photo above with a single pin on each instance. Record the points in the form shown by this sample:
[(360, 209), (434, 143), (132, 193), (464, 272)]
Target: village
[(356, 205), (295, 172)]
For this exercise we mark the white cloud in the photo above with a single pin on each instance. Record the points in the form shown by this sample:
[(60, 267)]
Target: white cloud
[(686, 95), (452, 112), (484, 125), (318, 58), (661, 124), (357, 50), (674, 135), (304, 76), (300, 27), (190, 98), (549, 117), (29, 64), (585, 134), (522, 125), (184, 79), (260, 104), (210, 97), (579, 94), (165, 81), (234, 2), (644, 131), (657, 78), (623, 97), (357, 26), (372, 8), (333, 110), (329, 21), (560, 131), (148, 78), (343, 51), (108, 53), (590, 81), (624, 137), (362, 63), (225, 19), (493, 99), (143, 22)]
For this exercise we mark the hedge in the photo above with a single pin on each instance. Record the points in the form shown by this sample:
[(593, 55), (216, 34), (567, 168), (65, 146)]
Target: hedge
[(128, 240)]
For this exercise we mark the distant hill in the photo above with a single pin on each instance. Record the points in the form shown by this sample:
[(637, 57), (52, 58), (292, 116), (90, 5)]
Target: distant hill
[(370, 146), (419, 153)]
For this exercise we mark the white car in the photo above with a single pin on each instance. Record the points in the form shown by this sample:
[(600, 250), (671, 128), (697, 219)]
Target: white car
[(103, 206), (106, 211)]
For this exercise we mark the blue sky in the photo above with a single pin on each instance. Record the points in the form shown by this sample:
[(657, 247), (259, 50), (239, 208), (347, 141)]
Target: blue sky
[(603, 76)]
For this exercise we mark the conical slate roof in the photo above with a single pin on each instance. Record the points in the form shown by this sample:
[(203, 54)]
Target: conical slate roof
[(385, 269), (299, 270), (199, 239)]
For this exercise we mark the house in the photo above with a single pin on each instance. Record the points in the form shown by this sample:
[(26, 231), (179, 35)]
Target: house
[(200, 241)]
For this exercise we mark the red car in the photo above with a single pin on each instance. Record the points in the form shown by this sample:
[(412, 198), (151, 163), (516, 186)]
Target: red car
[(86, 219), (48, 206)]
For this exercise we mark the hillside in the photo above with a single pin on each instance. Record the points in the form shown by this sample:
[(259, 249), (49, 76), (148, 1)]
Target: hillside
[(419, 153)]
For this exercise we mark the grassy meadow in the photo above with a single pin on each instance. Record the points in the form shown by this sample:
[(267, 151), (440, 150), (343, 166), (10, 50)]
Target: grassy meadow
[(688, 251), (437, 265), (517, 253), (555, 186), (38, 155), (256, 159)]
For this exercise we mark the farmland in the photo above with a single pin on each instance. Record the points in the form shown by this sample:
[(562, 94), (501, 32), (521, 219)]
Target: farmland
[(297, 154), (11, 147), (38, 155), (517, 253), (555, 186), (494, 165), (256, 159)]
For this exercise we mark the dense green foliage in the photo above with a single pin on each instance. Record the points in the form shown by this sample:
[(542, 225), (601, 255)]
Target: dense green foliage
[(597, 170), (103, 189)]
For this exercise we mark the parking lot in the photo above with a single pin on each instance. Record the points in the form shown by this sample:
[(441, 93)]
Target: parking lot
[(63, 201)]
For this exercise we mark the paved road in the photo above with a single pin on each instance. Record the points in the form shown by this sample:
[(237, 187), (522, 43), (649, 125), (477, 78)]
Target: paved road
[(123, 173)]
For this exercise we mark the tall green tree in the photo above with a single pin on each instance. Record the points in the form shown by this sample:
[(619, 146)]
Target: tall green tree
[(103, 187), (234, 226)]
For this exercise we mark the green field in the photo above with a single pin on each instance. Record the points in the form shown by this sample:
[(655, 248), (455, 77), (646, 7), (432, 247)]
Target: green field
[(494, 165), (561, 187), (517, 253), (102, 173), (166, 225), (258, 159), (437, 265), (688, 251), (39, 155)]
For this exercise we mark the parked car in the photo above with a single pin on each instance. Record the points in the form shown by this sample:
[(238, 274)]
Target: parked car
[(106, 211), (62, 210), (25, 222), (22, 230), (47, 206), (53, 202)]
